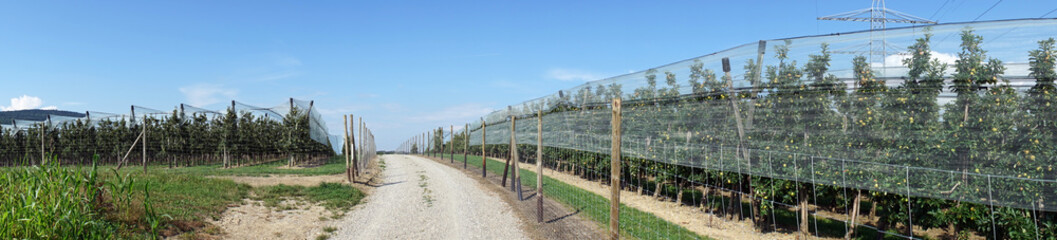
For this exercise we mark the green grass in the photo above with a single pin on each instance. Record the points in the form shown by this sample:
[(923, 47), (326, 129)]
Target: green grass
[(187, 200), (51, 202), (633, 223), (334, 165), (333, 196)]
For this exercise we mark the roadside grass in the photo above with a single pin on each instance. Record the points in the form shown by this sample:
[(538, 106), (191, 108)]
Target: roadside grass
[(633, 222)]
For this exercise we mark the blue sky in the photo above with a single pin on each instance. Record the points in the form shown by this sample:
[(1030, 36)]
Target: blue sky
[(405, 66)]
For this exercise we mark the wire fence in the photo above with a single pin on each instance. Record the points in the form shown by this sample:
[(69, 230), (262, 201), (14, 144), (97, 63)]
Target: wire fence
[(955, 134)]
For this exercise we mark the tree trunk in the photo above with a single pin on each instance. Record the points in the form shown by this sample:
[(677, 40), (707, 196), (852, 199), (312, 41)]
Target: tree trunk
[(754, 204), (679, 191), (639, 178), (657, 190), (952, 227), (804, 226), (853, 214), (732, 207), (882, 226)]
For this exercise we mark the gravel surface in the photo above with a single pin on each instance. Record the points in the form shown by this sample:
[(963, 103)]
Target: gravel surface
[(422, 199), (255, 221)]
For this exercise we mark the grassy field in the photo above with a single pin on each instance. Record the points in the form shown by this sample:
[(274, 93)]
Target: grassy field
[(52, 202), (335, 165), (633, 223)]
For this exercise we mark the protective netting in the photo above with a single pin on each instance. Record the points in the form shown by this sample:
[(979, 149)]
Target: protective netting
[(962, 112), (250, 132)]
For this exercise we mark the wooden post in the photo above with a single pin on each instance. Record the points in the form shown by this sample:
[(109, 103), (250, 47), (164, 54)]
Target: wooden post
[(132, 120), (506, 166), (539, 166), (515, 176), (356, 150), (484, 144), (42, 159), (614, 203), (144, 143), (451, 142), (466, 146), (440, 152), (347, 151)]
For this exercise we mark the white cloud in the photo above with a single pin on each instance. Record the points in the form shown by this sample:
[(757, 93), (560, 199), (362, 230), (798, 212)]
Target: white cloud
[(893, 65), (458, 112), (897, 59), (26, 102), (572, 75), (204, 94)]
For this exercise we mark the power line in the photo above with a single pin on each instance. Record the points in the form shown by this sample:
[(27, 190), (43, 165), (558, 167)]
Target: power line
[(949, 10), (1010, 30), (1048, 13), (941, 8), (988, 10)]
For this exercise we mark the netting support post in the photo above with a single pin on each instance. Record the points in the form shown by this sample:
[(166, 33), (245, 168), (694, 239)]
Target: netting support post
[(484, 160), (356, 150), (506, 166), (144, 144), (441, 142), (515, 178), (910, 215), (346, 150), (539, 166), (451, 143), (991, 202), (42, 159), (465, 147), (614, 202)]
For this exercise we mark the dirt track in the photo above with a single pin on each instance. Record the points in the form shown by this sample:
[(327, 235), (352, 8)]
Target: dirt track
[(421, 199)]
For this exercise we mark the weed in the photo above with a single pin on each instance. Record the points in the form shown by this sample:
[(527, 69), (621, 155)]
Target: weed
[(333, 196)]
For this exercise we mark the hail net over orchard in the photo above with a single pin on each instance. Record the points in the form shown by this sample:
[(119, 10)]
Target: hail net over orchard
[(947, 120), (137, 115)]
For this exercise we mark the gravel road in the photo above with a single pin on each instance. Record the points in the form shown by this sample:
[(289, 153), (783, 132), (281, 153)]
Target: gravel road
[(421, 199)]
